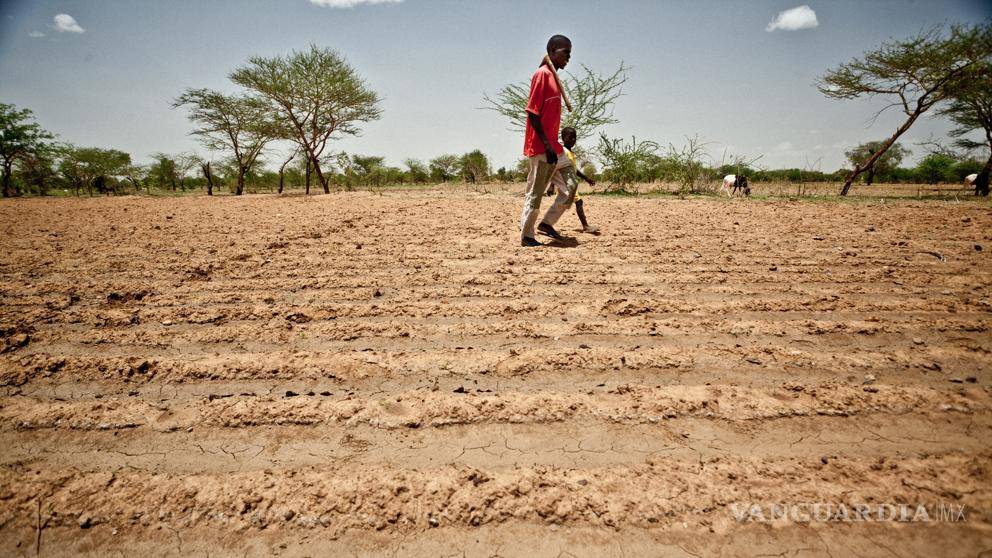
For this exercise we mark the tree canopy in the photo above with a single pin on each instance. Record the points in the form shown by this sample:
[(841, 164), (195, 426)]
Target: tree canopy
[(90, 167), (444, 167), (912, 74), (316, 93), (238, 124), (592, 94), (20, 138), (474, 166), (622, 160), (970, 109), (884, 165)]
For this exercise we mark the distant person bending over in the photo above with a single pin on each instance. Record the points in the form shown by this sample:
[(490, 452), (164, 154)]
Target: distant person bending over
[(568, 139), (541, 145)]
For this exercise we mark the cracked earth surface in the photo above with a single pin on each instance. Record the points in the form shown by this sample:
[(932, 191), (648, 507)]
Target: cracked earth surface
[(366, 375)]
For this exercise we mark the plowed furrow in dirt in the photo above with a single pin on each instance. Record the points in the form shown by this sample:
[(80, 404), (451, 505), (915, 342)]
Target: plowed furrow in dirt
[(932, 358), (572, 444), (358, 496), (521, 538), (470, 301), (624, 404)]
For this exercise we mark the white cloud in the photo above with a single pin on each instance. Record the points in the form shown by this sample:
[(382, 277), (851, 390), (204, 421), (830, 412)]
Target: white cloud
[(35, 34), (350, 3), (65, 23), (801, 17), (784, 146)]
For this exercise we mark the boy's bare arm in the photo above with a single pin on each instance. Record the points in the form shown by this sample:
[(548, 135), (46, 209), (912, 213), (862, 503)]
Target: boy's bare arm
[(549, 153), (588, 180)]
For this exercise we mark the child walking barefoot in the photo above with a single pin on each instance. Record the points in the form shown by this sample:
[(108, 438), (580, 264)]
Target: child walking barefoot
[(568, 139)]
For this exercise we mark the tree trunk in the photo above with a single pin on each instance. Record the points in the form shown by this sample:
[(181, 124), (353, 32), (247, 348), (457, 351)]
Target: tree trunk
[(210, 178), (982, 182), (8, 191), (101, 185), (308, 176), (870, 163), (320, 176), (871, 176), (282, 170), (240, 189)]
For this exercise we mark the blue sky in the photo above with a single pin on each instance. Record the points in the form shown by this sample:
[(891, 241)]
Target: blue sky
[(697, 67)]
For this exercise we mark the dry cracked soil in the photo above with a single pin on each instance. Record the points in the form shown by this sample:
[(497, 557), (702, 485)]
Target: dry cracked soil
[(362, 375)]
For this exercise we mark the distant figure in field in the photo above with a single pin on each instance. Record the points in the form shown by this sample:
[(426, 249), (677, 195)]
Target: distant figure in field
[(732, 183), (981, 187), (541, 145), (969, 182), (568, 139)]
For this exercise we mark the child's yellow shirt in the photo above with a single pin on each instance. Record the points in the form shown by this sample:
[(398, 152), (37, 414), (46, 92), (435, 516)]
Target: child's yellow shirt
[(575, 166), (571, 157)]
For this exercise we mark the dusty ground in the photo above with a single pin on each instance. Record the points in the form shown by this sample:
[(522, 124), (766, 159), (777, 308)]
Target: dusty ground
[(356, 374)]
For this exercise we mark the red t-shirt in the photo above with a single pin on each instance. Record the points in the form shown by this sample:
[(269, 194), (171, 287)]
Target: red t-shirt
[(545, 102)]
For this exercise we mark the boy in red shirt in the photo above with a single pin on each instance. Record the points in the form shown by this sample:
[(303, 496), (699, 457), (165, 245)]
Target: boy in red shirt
[(541, 145)]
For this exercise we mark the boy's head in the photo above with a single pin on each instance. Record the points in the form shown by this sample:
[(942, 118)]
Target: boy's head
[(559, 50), (568, 137)]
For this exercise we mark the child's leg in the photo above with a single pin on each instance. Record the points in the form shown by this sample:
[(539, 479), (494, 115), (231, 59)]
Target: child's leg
[(581, 213), (586, 227)]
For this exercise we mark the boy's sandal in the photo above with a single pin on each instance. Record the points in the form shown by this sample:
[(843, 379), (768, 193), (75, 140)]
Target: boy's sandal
[(548, 230)]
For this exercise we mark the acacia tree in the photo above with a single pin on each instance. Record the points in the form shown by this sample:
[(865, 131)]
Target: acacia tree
[(884, 165), (163, 171), (443, 167), (208, 174), (688, 165), (37, 170), (282, 167), (238, 124), (915, 74), (474, 166), (91, 167), (372, 171), (135, 175), (971, 109), (315, 94), (936, 167), (622, 160), (416, 170), (592, 95), (20, 137), (185, 163)]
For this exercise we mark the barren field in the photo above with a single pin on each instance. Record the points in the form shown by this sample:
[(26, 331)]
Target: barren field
[(355, 374)]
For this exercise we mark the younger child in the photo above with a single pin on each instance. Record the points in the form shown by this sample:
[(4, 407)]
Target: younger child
[(568, 139)]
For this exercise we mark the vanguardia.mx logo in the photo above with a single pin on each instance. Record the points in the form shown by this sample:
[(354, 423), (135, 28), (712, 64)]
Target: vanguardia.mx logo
[(825, 512)]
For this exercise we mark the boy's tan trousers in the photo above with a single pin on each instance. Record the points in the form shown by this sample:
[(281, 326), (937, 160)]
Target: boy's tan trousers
[(538, 177)]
